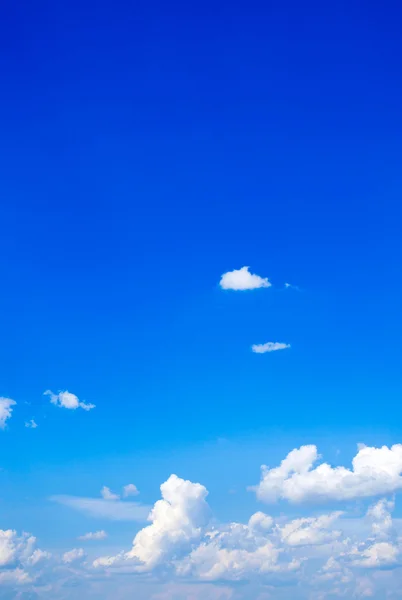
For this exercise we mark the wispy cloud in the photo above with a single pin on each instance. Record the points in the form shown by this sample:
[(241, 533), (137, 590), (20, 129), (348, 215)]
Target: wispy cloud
[(93, 535), (269, 347), (105, 509), (242, 279), (31, 424)]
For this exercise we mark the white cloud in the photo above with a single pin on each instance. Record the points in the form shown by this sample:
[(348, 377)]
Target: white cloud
[(14, 547), (74, 555), (380, 517), (15, 577), (96, 535), (269, 347), (260, 522), (6, 410), (130, 490), (378, 555), (177, 522), (107, 494), (242, 279), (310, 531), (105, 509), (374, 471), (38, 556), (67, 400), (316, 555), (31, 424)]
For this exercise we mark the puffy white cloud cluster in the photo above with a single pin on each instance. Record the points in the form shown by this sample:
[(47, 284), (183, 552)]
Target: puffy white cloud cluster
[(310, 530), (67, 400), (18, 556), (300, 557), (242, 279), (375, 471)]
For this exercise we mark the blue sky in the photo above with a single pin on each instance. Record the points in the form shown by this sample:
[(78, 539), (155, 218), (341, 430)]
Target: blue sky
[(147, 149)]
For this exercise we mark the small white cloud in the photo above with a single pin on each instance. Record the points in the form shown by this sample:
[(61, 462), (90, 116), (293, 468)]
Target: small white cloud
[(375, 471), (67, 400), (38, 556), (73, 555), (130, 490), (31, 424), (242, 279), (107, 494), (269, 347), (6, 410), (96, 535)]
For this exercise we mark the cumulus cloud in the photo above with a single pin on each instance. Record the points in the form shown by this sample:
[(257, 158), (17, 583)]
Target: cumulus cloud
[(31, 424), (380, 517), (183, 542), (242, 279), (6, 410), (74, 555), (95, 535), (107, 494), (375, 471), (38, 556), (378, 555), (177, 522), (310, 531), (105, 509), (67, 400), (269, 347), (130, 490)]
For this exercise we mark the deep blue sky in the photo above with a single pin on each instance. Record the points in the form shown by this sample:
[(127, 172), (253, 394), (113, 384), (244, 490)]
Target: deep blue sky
[(147, 148)]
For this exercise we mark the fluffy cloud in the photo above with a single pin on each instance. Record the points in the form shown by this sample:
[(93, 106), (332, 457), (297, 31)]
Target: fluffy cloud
[(177, 522), (74, 555), (380, 517), (105, 509), (378, 555), (67, 400), (130, 490), (95, 535), (6, 410), (38, 556), (31, 424), (374, 471), (310, 531), (269, 347), (107, 494), (183, 543), (19, 558), (242, 279)]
